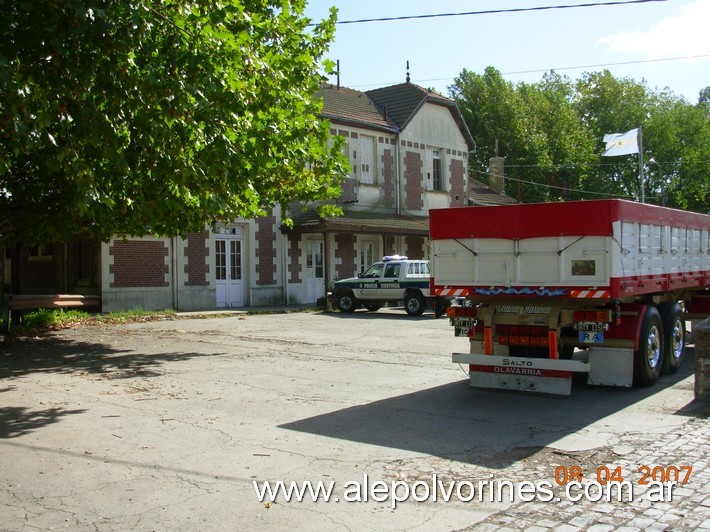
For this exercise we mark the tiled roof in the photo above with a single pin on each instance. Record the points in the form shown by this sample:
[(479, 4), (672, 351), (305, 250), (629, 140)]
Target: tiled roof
[(403, 100), (388, 108), (361, 222), (348, 105), (481, 194)]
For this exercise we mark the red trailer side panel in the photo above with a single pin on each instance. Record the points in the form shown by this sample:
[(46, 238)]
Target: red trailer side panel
[(534, 220)]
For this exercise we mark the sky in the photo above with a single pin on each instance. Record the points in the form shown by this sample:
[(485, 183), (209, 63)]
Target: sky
[(664, 43)]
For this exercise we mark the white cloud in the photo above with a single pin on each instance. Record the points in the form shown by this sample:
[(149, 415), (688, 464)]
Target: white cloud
[(683, 35)]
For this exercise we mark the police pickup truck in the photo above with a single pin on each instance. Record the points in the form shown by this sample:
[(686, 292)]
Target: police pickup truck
[(394, 279)]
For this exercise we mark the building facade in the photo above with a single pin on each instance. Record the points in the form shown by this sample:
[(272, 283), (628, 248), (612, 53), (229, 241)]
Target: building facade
[(408, 148)]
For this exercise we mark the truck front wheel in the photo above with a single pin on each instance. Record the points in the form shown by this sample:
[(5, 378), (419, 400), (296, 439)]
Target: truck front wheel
[(673, 336), (414, 304), (347, 302), (648, 358)]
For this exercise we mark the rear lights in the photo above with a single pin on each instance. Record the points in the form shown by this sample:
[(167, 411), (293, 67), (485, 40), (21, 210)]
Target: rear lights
[(592, 315), (461, 312), (531, 335)]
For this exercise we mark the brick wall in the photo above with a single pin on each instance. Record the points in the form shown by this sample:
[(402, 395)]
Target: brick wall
[(349, 190), (388, 179), (346, 252), (138, 263), (294, 256), (196, 253), (266, 250), (413, 181), (458, 191), (415, 247)]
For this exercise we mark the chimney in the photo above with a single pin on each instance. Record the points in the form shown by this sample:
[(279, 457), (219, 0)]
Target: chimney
[(497, 178)]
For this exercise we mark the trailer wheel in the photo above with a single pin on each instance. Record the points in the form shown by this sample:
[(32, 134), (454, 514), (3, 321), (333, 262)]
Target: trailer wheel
[(414, 304), (673, 337), (347, 302), (648, 359)]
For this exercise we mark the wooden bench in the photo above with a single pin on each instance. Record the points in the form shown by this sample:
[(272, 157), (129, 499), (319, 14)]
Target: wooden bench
[(15, 303)]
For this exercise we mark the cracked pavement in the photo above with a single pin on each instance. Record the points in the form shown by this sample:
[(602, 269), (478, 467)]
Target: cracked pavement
[(166, 425)]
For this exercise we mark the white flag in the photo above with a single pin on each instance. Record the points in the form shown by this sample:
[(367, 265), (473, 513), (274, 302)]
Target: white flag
[(621, 143)]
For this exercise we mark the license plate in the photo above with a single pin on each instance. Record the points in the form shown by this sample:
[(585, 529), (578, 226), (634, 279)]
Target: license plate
[(591, 337), (591, 326), (465, 322), (461, 331)]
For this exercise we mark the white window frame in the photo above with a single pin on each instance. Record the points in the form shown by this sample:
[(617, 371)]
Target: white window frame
[(436, 161), (367, 168)]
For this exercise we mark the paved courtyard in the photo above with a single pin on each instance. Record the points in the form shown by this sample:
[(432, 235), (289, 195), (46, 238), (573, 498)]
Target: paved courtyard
[(176, 425)]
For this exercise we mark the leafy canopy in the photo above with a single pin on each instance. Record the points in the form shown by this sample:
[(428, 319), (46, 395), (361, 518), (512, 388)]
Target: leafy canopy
[(121, 116), (551, 134)]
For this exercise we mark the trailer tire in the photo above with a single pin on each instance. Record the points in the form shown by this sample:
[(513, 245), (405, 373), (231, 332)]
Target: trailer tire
[(414, 304), (648, 358), (347, 302), (673, 336)]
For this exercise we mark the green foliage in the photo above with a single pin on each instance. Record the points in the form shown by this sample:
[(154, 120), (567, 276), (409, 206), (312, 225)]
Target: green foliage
[(43, 320), (551, 136), (158, 114)]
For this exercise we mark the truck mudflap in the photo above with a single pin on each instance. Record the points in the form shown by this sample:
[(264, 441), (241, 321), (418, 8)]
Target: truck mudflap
[(524, 374)]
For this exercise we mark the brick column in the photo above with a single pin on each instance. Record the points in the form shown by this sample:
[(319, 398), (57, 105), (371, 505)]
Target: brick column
[(701, 333)]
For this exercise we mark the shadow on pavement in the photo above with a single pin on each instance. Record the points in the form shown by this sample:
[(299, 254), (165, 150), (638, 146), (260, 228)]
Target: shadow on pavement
[(51, 354), (491, 428), (16, 421), (390, 313)]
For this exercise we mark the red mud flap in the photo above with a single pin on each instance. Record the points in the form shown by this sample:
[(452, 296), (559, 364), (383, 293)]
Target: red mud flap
[(524, 374)]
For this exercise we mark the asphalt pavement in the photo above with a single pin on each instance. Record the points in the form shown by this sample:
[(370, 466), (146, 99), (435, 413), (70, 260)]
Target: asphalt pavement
[(179, 424)]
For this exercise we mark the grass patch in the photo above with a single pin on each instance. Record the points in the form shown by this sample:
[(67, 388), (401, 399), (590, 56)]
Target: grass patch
[(43, 320)]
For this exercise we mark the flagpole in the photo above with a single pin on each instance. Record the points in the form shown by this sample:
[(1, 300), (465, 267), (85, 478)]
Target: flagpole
[(643, 194)]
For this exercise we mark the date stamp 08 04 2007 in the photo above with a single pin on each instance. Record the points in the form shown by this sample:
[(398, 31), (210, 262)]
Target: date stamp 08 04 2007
[(655, 478)]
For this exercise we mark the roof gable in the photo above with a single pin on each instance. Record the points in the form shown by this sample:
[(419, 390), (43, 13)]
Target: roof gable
[(401, 102), (387, 108)]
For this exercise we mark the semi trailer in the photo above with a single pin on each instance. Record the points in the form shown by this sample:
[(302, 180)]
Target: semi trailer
[(545, 291)]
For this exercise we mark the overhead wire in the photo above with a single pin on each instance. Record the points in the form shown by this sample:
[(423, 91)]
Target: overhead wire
[(529, 9), (498, 11), (567, 189), (519, 10)]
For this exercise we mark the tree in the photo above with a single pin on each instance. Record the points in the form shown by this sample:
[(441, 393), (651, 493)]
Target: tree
[(551, 134), (564, 150), (158, 116), (534, 126), (489, 106), (676, 134), (610, 105)]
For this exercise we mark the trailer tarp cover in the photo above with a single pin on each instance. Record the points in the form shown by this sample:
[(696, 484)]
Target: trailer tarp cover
[(535, 220)]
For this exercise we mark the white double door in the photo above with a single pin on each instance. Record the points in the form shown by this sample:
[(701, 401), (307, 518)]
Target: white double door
[(229, 269)]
